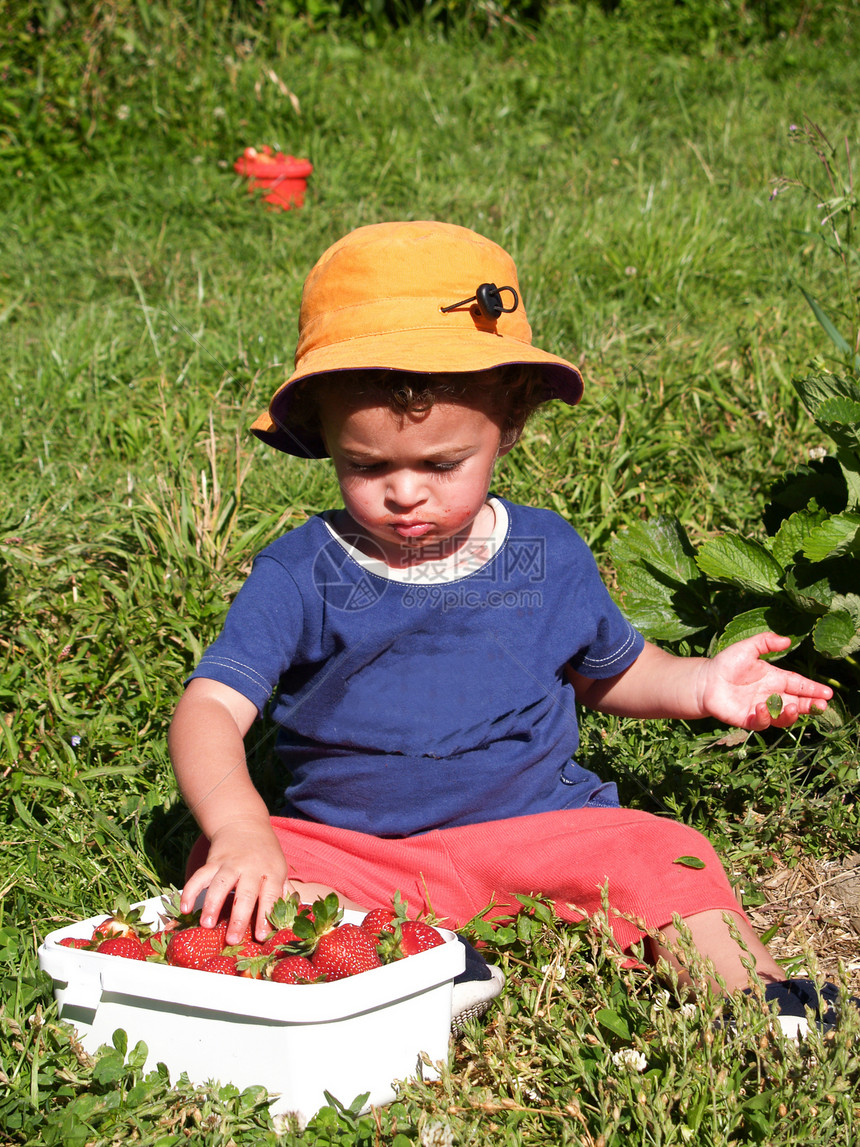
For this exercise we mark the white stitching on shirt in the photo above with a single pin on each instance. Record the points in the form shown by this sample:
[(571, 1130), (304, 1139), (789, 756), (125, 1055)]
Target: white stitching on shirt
[(234, 667), (603, 662)]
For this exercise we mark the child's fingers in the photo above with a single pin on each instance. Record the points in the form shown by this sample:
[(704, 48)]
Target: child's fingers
[(790, 713), (270, 891), (765, 716), (194, 885), (768, 642), (250, 890), (759, 719), (244, 901), (218, 884), (219, 881), (222, 882), (805, 687)]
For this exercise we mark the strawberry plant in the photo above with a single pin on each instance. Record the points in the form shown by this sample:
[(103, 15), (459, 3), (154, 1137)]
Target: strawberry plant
[(800, 579)]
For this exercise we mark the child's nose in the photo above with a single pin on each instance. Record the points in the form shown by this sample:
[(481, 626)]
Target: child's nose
[(406, 488)]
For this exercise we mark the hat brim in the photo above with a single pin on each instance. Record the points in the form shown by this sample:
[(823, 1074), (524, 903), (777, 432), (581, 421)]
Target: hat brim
[(442, 352)]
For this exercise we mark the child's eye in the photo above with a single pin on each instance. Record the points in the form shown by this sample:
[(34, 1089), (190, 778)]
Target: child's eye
[(358, 468), (376, 467)]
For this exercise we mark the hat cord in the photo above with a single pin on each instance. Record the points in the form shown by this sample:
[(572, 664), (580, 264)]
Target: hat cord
[(489, 299)]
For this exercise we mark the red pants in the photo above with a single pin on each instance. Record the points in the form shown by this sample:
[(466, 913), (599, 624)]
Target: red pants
[(567, 857)]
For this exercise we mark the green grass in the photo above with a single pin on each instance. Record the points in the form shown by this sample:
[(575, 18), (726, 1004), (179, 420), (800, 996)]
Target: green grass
[(147, 311)]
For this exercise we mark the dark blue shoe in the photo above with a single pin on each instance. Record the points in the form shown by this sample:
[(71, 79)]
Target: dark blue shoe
[(794, 1002), (474, 989)]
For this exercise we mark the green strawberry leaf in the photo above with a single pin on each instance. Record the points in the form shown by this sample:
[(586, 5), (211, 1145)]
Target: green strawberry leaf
[(820, 483), (808, 586), (284, 912), (838, 534), (792, 533), (778, 618), (660, 544), (818, 388), (837, 633), (690, 862), (662, 612), (840, 418), (663, 592), (740, 562)]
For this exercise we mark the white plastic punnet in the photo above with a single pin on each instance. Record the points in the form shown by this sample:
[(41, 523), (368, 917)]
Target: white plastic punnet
[(360, 1034)]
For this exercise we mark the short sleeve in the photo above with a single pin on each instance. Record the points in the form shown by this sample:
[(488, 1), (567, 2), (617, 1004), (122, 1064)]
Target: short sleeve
[(607, 642), (260, 634)]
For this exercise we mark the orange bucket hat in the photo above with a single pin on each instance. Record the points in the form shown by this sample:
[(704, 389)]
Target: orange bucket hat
[(422, 297)]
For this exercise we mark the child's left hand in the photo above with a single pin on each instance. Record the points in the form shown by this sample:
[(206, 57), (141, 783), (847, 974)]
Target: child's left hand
[(735, 686)]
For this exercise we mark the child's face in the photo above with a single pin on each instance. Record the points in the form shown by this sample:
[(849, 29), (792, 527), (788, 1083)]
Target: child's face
[(413, 481)]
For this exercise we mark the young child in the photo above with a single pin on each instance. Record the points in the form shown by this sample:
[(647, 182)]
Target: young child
[(423, 648)]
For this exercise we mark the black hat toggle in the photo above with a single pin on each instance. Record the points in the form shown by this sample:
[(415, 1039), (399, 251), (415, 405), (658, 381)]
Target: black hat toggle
[(488, 298)]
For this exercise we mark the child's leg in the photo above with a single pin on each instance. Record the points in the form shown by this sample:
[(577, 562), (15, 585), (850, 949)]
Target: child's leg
[(712, 937), (572, 858)]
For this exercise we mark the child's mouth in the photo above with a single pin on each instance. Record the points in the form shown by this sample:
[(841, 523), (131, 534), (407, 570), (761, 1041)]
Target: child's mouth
[(411, 529)]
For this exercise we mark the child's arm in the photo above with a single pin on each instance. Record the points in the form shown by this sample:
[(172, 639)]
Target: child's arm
[(208, 754), (732, 686)]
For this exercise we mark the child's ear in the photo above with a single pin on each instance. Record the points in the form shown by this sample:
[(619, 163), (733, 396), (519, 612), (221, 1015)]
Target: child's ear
[(509, 440)]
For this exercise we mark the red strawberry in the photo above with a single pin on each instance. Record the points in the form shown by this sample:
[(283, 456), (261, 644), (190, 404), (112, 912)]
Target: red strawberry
[(155, 945), (386, 919), (192, 947), (75, 942), (380, 920), (311, 923), (416, 936), (128, 946), (346, 951), (244, 950), (292, 970), (220, 965), (251, 961), (279, 939), (409, 938), (123, 921)]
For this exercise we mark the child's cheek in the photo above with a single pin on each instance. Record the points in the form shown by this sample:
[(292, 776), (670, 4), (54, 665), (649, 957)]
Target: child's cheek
[(456, 515)]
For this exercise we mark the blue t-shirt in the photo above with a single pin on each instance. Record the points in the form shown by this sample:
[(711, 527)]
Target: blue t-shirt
[(405, 707)]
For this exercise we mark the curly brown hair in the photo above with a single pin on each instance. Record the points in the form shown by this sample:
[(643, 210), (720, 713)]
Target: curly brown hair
[(513, 392)]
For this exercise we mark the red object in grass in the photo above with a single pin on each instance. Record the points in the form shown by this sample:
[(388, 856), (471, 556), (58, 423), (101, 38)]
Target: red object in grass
[(283, 178)]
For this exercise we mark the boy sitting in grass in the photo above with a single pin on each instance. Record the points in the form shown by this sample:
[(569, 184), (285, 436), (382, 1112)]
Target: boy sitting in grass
[(423, 647)]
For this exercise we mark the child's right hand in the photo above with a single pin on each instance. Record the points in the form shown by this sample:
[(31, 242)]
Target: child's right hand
[(244, 858)]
